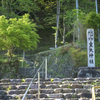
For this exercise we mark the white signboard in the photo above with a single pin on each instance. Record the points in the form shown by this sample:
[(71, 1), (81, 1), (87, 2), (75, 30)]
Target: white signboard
[(90, 48)]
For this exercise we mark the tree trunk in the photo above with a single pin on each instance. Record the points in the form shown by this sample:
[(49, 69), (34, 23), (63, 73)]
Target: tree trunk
[(96, 3), (11, 7), (58, 13), (64, 29), (10, 54), (2, 3), (78, 36)]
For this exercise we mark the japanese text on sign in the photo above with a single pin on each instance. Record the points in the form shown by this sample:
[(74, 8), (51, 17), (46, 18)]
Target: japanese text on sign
[(90, 48)]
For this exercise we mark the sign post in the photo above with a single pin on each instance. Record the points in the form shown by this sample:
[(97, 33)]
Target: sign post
[(90, 48)]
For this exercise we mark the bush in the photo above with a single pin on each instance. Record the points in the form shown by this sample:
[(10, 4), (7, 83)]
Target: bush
[(79, 57), (9, 69)]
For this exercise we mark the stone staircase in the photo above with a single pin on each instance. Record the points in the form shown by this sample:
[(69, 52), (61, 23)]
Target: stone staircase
[(55, 89)]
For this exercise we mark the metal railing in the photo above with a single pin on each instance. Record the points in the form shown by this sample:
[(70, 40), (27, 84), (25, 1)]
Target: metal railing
[(32, 80), (93, 92)]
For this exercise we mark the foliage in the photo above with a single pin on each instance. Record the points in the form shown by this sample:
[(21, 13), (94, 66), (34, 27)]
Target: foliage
[(9, 69), (79, 31), (85, 21), (23, 80), (44, 11), (97, 54), (92, 20), (17, 33), (96, 83), (44, 14), (9, 88), (64, 50), (79, 56), (70, 15), (87, 5), (52, 79), (16, 8)]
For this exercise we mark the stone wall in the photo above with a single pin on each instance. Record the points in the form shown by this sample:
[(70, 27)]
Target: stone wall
[(86, 72)]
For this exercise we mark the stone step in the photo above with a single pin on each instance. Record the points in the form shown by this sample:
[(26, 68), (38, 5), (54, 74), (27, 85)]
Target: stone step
[(3, 92), (67, 90), (29, 96), (7, 87), (16, 97), (78, 80), (97, 94), (51, 99), (73, 86), (82, 90), (22, 91), (43, 95), (41, 99), (47, 91), (10, 83), (11, 87), (55, 99), (85, 79), (87, 86), (14, 86), (79, 99), (16, 80), (54, 79), (52, 86), (5, 80), (57, 89), (56, 95), (53, 82), (1, 96), (85, 95), (70, 95)]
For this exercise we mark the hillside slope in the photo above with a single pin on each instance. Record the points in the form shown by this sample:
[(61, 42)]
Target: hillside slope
[(62, 62)]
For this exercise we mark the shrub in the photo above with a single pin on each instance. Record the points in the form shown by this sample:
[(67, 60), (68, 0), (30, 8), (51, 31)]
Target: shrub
[(79, 57)]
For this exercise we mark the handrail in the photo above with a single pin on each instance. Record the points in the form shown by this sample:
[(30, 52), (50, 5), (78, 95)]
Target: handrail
[(32, 81), (93, 92)]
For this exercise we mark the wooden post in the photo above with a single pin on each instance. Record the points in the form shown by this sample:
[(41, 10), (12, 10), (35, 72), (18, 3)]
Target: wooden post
[(42, 71), (39, 85), (23, 57), (45, 67), (93, 93)]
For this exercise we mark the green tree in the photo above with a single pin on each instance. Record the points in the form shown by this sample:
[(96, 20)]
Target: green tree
[(17, 33), (92, 20), (6, 8), (75, 25), (16, 8)]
